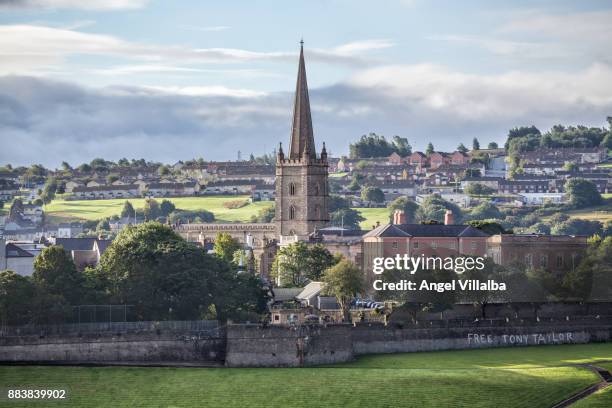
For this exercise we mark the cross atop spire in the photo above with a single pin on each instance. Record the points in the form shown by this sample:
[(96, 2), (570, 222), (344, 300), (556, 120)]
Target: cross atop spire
[(302, 139)]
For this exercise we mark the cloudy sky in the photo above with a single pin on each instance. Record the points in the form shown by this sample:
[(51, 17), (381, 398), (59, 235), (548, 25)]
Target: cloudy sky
[(171, 80)]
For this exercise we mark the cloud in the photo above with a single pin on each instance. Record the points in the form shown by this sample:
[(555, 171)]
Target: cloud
[(569, 36), (74, 4), (31, 48), (48, 121), (204, 28)]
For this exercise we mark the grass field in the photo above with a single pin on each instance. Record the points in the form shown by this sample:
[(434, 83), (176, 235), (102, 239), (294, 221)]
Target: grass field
[(80, 210), (517, 377), (601, 213), (61, 211), (601, 399), (372, 215)]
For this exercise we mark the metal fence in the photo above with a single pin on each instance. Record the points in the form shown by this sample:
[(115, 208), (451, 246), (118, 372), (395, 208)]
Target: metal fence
[(211, 326)]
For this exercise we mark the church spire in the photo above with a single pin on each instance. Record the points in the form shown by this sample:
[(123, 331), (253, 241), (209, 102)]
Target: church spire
[(302, 139)]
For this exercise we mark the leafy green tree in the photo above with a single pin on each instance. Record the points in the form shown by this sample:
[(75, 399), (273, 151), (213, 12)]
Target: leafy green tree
[(607, 141), (372, 194), (461, 148), (48, 193), (492, 145), (154, 269), (355, 185), (56, 273), (151, 209), (484, 211), (430, 149), (475, 144), (184, 216), (225, 246), (344, 281), (163, 170), (66, 166), (576, 226), (111, 178), (347, 218), (298, 263), (166, 207), (401, 146), (582, 193), (128, 210), (570, 166), (16, 294), (434, 208), (264, 215), (405, 204), (336, 202), (479, 189)]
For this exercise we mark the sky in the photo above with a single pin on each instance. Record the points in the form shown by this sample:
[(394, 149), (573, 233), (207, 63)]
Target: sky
[(182, 79)]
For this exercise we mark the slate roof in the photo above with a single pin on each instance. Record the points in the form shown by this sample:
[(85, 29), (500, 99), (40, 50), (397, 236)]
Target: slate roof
[(425, 230), (14, 251)]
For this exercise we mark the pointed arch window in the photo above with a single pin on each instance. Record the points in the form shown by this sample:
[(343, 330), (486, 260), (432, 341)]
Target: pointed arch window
[(292, 189), (317, 211), (292, 213), (317, 189)]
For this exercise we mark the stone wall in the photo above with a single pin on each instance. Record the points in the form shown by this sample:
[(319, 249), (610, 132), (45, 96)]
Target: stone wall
[(274, 346), (375, 340), (106, 347), (255, 346), (281, 346)]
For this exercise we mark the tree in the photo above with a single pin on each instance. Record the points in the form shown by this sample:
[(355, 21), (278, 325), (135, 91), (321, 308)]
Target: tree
[(264, 215), (151, 209), (434, 208), (461, 148), (346, 218), (570, 166), (354, 185), (298, 263), (475, 144), (576, 226), (484, 211), (151, 267), (48, 193), (430, 149), (401, 146), (492, 145), (163, 170), (56, 273), (607, 141), (582, 193), (406, 205), (336, 202), (478, 189), (344, 281), (66, 167), (372, 194), (16, 294), (128, 210), (488, 226), (166, 207), (225, 246)]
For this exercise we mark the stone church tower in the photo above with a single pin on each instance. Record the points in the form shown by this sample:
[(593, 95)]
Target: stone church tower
[(301, 176)]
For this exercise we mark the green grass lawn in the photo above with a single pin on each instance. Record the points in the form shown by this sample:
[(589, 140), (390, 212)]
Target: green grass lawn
[(372, 215), (514, 377), (601, 399), (61, 211), (601, 213)]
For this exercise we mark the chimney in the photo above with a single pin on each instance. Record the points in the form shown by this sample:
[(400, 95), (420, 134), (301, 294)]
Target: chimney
[(449, 219), (399, 217)]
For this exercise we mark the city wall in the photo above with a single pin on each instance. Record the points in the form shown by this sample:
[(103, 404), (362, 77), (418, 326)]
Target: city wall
[(276, 346)]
